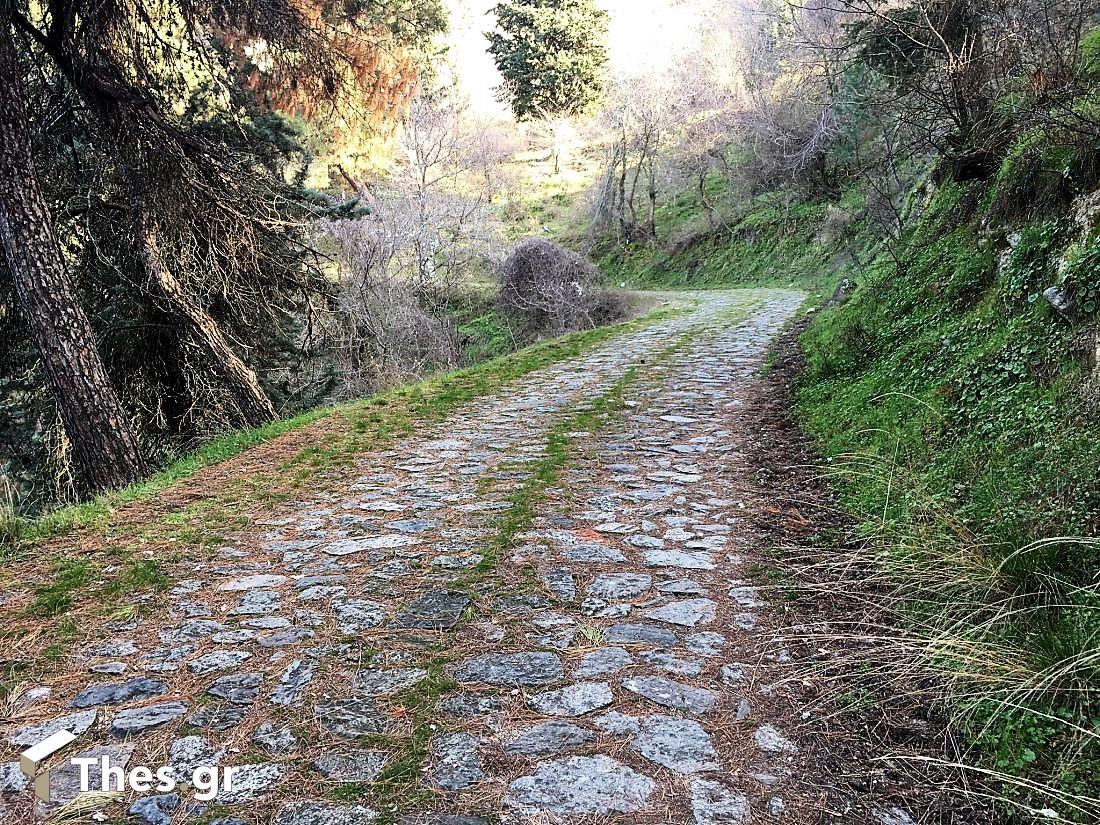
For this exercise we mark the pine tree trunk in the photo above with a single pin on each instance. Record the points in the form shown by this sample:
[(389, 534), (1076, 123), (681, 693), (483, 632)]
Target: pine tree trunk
[(241, 381), (106, 451)]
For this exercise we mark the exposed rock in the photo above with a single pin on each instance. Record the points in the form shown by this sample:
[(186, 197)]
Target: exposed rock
[(75, 723), (466, 705), (705, 643), (670, 694), (602, 662), (437, 610), (293, 681), (574, 700), (548, 739), (712, 803), (458, 764), (687, 613), (324, 813), (559, 581), (155, 810), (250, 782), (770, 740), (238, 688), (138, 720), (512, 669), (686, 559), (218, 716), (275, 740), (349, 717), (679, 744), (580, 785), (218, 660), (135, 689), (252, 582), (619, 585), (356, 615), (633, 634), (353, 766)]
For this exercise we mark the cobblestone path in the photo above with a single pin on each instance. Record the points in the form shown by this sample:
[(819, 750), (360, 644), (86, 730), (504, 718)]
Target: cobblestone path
[(536, 612)]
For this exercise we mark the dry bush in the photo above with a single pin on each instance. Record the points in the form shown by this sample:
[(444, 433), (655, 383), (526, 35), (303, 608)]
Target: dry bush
[(554, 289)]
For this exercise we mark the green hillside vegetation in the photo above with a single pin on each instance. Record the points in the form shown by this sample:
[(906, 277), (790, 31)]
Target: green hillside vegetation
[(957, 409)]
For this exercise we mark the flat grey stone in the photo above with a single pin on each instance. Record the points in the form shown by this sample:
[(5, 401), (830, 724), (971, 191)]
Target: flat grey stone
[(135, 689), (689, 668), (458, 764), (138, 720), (633, 634), (770, 740), (293, 681), (218, 716), (167, 659), (252, 582), (512, 669), (437, 610), (705, 643), (619, 585), (559, 581), (266, 622), (352, 766), (350, 718), (670, 694), (548, 739), (573, 700), (617, 724), (285, 637), (238, 688), (580, 785), (12, 780), (275, 740), (592, 553), (250, 782), (190, 752), (115, 649), (155, 810), (383, 682), (109, 668), (234, 637), (190, 631), (412, 525), (712, 803), (687, 613), (75, 723), (679, 744), (603, 661), (324, 813), (218, 660), (645, 542), (357, 615), (346, 547), (685, 559), (322, 592), (681, 587), (467, 705), (257, 603)]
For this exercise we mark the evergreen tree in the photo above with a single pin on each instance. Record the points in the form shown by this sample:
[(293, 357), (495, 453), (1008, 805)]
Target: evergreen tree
[(552, 55)]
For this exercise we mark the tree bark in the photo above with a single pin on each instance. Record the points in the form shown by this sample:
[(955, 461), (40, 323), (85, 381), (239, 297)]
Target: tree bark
[(241, 381), (104, 446)]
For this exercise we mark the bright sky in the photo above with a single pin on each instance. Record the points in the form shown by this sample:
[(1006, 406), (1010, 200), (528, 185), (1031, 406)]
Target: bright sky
[(644, 34)]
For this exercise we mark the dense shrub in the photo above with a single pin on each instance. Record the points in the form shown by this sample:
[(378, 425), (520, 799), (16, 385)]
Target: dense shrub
[(553, 289)]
